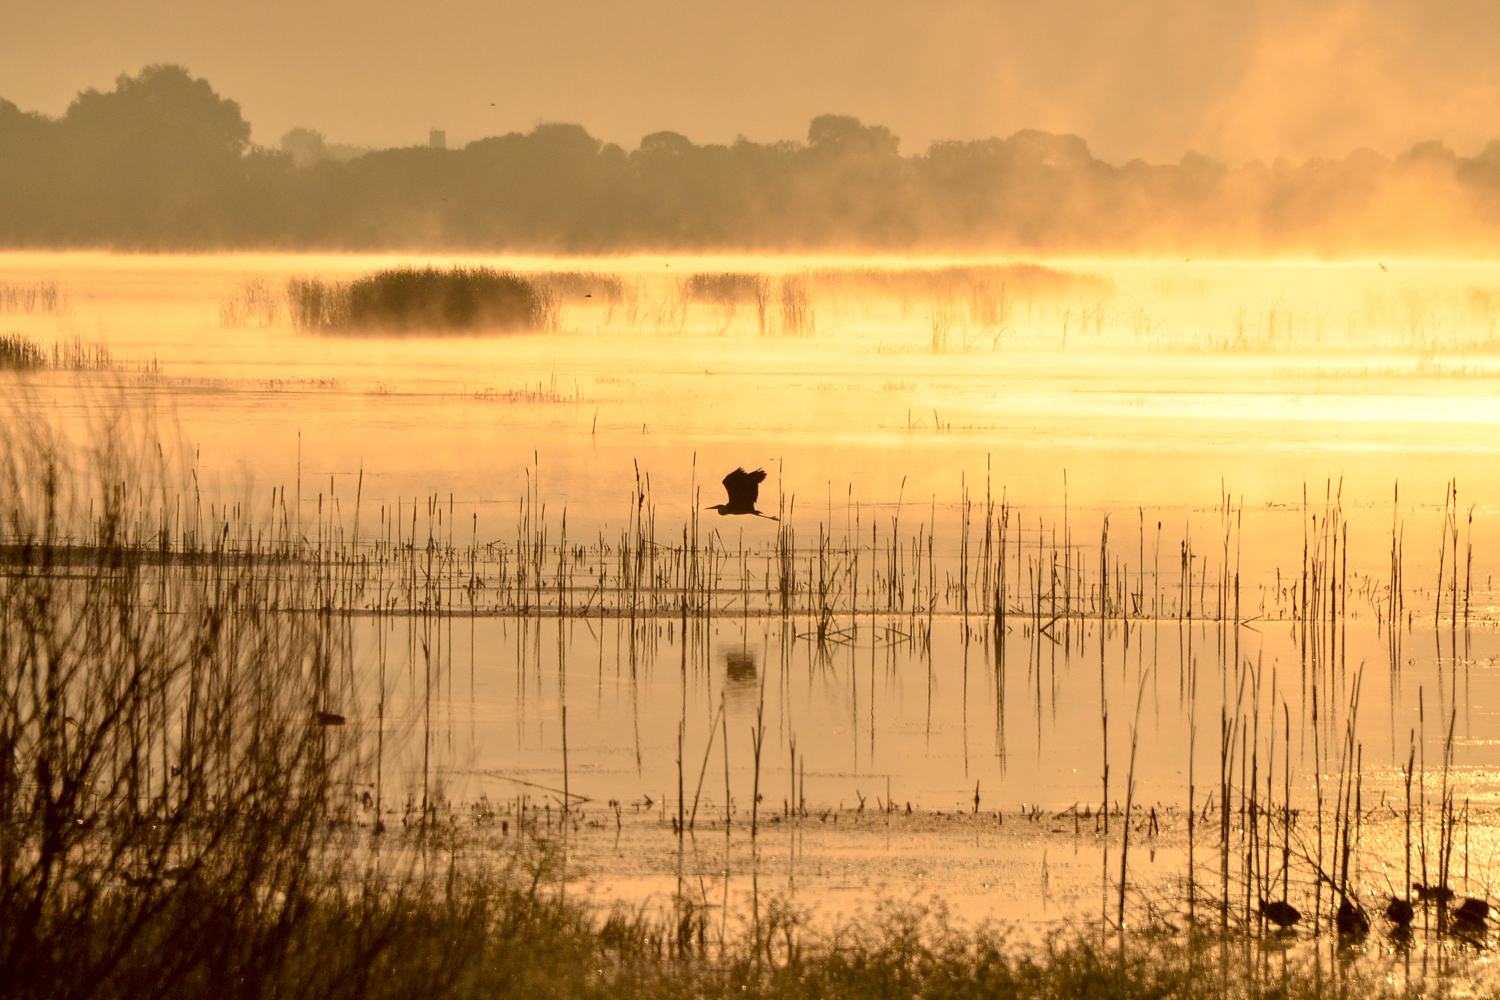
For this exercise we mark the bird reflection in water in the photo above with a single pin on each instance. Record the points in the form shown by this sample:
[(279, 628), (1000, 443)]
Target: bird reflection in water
[(739, 667), (741, 676)]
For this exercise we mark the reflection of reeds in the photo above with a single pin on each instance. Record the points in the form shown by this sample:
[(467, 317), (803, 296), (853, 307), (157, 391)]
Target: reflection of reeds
[(44, 297)]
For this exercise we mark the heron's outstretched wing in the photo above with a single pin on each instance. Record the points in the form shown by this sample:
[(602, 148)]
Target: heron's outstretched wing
[(743, 487)]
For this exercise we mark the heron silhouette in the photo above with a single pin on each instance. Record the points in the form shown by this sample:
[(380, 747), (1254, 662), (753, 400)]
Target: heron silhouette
[(743, 487)]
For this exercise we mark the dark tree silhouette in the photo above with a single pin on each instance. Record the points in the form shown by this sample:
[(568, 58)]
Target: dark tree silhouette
[(162, 161)]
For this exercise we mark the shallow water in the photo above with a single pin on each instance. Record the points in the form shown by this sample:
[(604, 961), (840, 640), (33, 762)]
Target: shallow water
[(1237, 409)]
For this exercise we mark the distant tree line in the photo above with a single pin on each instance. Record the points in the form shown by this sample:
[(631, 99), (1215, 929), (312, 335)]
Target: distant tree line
[(163, 162)]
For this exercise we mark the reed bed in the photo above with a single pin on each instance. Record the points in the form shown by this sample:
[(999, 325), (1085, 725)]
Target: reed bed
[(1001, 565), (407, 299), (956, 308), (20, 353)]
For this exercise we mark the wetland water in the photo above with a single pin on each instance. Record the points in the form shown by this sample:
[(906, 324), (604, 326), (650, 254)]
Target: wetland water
[(1026, 526)]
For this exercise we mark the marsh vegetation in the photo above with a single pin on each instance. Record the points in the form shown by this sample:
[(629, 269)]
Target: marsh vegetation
[(530, 714)]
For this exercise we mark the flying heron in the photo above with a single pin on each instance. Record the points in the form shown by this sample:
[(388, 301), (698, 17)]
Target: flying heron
[(743, 487)]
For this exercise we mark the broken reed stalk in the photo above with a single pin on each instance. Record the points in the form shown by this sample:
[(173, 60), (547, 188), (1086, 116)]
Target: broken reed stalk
[(1103, 694), (1422, 789), (1191, 816), (713, 727), (1225, 752), (1406, 814), (792, 770), (757, 743), (1129, 801), (1286, 812), (1446, 825), (728, 800)]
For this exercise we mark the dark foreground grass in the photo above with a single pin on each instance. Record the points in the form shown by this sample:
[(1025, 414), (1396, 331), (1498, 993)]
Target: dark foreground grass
[(406, 299), (495, 935)]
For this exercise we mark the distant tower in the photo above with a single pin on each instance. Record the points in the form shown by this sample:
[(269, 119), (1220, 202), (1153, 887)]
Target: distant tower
[(437, 139)]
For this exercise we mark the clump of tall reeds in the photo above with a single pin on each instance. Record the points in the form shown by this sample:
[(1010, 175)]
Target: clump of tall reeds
[(406, 299), (20, 353)]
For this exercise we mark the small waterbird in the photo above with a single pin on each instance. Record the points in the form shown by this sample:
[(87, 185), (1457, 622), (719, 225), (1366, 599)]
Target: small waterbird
[(1433, 893), (1280, 912), (743, 488), (1351, 920), (1471, 914)]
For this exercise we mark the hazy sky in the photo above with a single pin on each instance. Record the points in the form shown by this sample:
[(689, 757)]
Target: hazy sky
[(1152, 78)]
